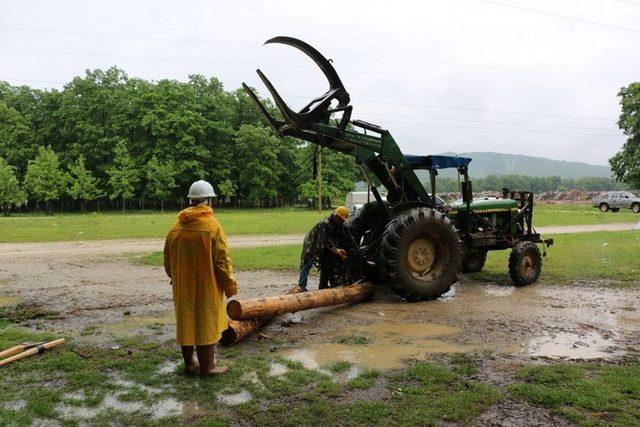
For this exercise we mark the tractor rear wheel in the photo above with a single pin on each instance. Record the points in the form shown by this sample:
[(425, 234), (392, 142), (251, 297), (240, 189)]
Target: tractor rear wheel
[(473, 260), (419, 256), (525, 263)]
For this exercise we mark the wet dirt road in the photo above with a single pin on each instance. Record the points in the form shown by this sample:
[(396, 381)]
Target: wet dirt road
[(97, 298), (117, 297), (10, 251)]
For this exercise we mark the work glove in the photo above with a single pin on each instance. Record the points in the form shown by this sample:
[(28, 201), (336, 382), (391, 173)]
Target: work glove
[(231, 291), (342, 254)]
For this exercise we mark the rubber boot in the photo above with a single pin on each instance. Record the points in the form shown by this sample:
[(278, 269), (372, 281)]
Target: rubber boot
[(190, 363), (207, 359)]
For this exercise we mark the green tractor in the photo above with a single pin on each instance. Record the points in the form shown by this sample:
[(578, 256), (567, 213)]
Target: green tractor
[(411, 241)]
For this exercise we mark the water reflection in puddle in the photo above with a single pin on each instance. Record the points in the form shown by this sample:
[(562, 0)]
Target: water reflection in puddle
[(499, 291), (385, 345), (6, 301), (133, 323), (235, 399), (277, 369), (17, 405), (588, 345), (168, 367), (168, 407)]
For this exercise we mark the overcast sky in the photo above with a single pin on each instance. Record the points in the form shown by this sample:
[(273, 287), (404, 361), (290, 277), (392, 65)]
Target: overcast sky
[(514, 76)]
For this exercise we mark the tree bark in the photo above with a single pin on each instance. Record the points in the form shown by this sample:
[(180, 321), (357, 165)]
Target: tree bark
[(238, 330), (272, 306)]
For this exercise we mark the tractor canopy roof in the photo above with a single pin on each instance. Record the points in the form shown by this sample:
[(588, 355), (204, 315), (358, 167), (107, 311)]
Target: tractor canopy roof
[(437, 162)]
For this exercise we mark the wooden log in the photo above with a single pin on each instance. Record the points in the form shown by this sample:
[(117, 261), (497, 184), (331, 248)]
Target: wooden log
[(272, 306), (13, 350), (39, 349), (238, 330)]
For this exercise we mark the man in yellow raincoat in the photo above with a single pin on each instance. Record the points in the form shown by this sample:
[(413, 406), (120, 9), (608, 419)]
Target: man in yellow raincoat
[(196, 258)]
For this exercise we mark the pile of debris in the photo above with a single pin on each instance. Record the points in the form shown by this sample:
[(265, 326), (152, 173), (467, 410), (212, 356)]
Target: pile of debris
[(575, 196), (571, 196)]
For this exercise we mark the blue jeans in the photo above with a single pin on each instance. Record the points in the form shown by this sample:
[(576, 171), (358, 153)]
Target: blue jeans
[(305, 268)]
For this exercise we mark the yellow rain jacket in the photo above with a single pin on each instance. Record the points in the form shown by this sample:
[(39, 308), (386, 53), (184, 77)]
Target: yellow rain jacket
[(196, 257)]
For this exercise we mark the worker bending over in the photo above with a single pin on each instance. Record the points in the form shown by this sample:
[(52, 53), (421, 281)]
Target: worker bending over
[(327, 242), (196, 258)]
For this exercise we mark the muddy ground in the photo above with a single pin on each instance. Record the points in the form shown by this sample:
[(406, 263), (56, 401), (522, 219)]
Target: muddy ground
[(98, 297)]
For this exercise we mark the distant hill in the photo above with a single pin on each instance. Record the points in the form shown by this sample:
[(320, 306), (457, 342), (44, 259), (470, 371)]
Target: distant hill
[(488, 163)]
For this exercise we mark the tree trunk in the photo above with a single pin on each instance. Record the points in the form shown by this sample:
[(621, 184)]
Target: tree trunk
[(272, 306), (238, 330), (123, 205)]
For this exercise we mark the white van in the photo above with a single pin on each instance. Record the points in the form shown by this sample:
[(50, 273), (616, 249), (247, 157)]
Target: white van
[(355, 199)]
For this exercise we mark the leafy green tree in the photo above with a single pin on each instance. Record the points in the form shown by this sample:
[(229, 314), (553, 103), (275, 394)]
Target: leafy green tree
[(83, 185), (228, 189), (16, 137), (160, 180), (11, 194), (257, 180), (339, 175), (123, 174), (626, 163), (45, 181)]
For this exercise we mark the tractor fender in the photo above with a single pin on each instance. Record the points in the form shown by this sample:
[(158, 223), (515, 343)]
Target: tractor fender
[(405, 206)]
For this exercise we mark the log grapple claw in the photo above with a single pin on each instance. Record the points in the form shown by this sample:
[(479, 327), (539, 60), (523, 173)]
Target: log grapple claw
[(319, 110)]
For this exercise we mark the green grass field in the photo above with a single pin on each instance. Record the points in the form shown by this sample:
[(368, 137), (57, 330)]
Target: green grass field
[(589, 256), (285, 257), (578, 215), (130, 384), (97, 226)]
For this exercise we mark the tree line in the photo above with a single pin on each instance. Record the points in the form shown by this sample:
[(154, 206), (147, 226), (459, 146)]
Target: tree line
[(107, 140), (128, 142), (537, 184)]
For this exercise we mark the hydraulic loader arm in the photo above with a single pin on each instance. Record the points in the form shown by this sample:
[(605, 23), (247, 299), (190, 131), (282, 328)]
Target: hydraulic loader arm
[(374, 148)]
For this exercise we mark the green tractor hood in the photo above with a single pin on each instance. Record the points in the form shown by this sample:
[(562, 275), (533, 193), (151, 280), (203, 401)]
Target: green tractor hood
[(485, 205)]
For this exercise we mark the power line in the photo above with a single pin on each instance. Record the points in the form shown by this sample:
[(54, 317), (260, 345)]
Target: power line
[(346, 54), (500, 129), (567, 18), (448, 107), (490, 122), (289, 66), (127, 36), (629, 2)]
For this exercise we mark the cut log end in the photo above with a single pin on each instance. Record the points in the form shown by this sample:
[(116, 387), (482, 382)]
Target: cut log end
[(234, 309)]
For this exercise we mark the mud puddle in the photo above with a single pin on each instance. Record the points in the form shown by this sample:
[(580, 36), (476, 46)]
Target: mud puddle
[(569, 345), (236, 398), (7, 301), (555, 321), (132, 324), (383, 345), (73, 404)]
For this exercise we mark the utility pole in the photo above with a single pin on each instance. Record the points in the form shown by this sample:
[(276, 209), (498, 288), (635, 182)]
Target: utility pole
[(319, 177)]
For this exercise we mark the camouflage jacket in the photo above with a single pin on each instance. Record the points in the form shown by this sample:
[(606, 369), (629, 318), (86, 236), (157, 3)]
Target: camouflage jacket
[(327, 234)]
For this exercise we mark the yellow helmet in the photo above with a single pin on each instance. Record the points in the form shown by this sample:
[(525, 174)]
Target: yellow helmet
[(342, 212)]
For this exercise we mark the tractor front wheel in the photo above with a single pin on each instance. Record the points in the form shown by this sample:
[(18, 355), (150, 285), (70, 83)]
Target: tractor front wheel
[(525, 263), (419, 255), (473, 260)]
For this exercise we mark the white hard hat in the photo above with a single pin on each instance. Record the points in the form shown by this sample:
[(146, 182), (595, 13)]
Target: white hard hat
[(201, 190)]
